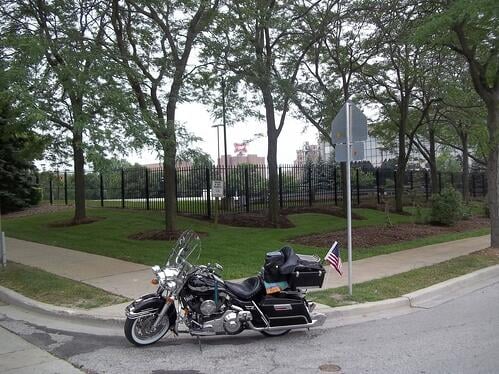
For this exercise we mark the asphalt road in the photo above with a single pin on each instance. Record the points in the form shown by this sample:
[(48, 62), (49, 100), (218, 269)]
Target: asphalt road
[(461, 336)]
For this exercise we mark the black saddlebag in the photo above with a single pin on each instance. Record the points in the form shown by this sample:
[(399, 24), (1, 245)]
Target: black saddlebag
[(309, 273), (285, 311), (299, 271)]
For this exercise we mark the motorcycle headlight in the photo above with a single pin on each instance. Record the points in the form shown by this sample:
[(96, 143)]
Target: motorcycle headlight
[(170, 284)]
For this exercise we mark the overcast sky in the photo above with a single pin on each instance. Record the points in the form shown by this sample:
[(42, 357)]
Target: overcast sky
[(198, 121)]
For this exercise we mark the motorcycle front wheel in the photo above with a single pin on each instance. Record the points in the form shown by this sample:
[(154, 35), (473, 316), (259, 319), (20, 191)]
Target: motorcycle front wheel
[(140, 331)]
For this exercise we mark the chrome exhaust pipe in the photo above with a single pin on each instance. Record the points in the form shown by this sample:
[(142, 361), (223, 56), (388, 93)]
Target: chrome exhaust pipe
[(318, 319)]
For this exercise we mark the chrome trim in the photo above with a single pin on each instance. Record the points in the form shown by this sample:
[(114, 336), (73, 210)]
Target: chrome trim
[(261, 314), (318, 320), (143, 313)]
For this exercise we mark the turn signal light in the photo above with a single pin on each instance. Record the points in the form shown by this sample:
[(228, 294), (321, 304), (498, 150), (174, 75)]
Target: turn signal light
[(154, 281)]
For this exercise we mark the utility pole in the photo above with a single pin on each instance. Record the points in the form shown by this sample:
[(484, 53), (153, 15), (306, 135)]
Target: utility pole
[(225, 136)]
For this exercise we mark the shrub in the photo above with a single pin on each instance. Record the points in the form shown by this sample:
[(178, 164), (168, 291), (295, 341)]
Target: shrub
[(35, 196), (447, 207)]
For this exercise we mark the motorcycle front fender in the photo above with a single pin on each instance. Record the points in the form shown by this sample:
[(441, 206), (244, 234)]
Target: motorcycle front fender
[(150, 304)]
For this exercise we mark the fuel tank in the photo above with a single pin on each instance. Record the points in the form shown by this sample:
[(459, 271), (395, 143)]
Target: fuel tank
[(205, 285)]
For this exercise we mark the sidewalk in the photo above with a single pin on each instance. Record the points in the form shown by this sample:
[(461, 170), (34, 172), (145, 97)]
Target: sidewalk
[(132, 280), (19, 356)]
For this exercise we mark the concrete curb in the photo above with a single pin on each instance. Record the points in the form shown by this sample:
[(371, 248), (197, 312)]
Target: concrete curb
[(424, 298), (14, 298), (452, 288)]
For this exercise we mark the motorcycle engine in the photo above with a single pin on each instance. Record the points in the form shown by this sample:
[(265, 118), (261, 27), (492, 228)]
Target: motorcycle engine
[(208, 307), (204, 307)]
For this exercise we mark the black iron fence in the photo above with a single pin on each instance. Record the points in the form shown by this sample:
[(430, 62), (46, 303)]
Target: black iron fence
[(246, 187)]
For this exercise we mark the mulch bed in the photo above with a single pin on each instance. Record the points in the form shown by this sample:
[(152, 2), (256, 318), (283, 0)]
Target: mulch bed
[(161, 235), (366, 237), (39, 209), (333, 211), (71, 222), (254, 220)]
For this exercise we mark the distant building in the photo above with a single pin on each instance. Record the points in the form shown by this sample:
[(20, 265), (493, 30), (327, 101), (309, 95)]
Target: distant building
[(308, 153), (241, 159), (373, 152)]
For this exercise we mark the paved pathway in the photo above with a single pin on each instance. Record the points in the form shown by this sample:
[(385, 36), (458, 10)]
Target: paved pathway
[(402, 261), (18, 356), (131, 280)]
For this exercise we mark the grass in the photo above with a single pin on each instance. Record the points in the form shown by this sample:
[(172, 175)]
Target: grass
[(53, 289), (403, 283), (240, 250)]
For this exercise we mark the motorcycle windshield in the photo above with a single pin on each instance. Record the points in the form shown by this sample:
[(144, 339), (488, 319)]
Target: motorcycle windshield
[(187, 246)]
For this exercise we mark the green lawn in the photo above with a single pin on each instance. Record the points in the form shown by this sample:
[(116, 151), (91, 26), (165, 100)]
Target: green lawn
[(240, 250), (401, 284), (53, 289)]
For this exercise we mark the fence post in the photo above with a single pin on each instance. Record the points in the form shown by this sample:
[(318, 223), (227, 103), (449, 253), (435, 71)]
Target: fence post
[(412, 180), (122, 188), (426, 187), (51, 196), (208, 197), (280, 187), (310, 185), (439, 182), (246, 188), (377, 186), (358, 186), (65, 187), (101, 190), (147, 188), (335, 187)]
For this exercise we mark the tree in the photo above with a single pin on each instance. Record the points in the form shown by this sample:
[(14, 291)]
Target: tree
[(391, 81), (154, 41), (263, 43), (469, 28), (64, 84), (19, 146), (331, 69)]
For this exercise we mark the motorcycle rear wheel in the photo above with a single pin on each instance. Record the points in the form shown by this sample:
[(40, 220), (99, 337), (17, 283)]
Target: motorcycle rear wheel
[(274, 333), (140, 332)]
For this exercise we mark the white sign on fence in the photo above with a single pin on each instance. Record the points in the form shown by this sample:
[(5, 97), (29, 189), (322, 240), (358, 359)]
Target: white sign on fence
[(217, 188)]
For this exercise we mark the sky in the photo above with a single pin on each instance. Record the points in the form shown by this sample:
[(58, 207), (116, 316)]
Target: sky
[(198, 121)]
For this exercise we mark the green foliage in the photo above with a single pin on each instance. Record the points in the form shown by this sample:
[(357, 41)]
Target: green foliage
[(448, 162), (19, 146), (53, 289), (447, 207)]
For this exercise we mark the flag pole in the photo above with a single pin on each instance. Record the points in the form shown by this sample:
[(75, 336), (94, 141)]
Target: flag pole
[(349, 199)]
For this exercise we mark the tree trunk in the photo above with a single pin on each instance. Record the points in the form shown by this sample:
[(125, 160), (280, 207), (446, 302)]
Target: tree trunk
[(433, 161), (273, 212), (466, 169), (79, 175), (170, 152), (493, 171), (401, 164)]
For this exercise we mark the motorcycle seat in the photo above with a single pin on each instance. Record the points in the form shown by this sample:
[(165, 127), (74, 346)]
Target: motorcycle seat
[(246, 290)]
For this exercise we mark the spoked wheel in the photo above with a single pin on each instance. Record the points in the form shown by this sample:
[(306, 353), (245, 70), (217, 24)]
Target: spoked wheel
[(141, 332), (274, 333)]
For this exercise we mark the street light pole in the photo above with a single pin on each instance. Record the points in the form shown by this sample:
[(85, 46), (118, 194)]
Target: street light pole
[(218, 147), (225, 136)]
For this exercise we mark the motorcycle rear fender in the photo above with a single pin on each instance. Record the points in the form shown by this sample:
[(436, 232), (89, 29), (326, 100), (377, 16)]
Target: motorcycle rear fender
[(148, 305)]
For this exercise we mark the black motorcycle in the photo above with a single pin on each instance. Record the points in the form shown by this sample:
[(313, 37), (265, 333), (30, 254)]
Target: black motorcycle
[(272, 303)]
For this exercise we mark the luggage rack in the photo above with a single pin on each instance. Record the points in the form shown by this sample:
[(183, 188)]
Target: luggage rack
[(311, 258)]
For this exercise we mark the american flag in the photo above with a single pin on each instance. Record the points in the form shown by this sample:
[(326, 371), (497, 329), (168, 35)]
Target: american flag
[(333, 257)]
